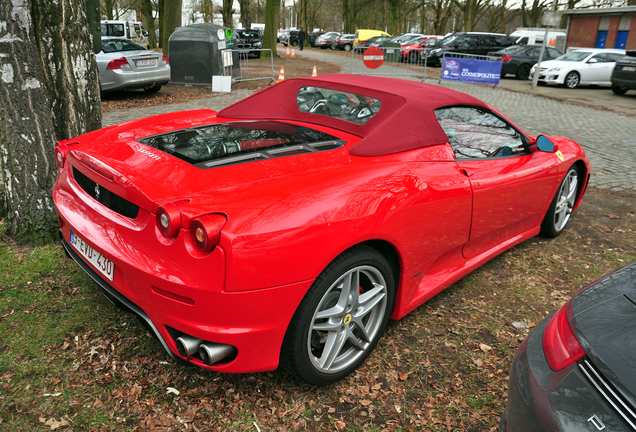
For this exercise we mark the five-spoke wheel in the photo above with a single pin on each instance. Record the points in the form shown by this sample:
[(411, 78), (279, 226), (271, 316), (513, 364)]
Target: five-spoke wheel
[(341, 319), (561, 208)]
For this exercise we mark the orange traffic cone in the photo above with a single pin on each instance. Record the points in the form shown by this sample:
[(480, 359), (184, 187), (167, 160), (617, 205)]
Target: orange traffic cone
[(287, 53), (281, 77), (314, 73), (293, 53)]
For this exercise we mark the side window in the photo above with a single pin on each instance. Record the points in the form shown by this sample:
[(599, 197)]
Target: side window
[(476, 134), (601, 58), (463, 42), (552, 53)]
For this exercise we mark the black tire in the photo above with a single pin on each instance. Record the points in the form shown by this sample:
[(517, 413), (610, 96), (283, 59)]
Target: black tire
[(294, 43), (347, 47), (154, 89), (413, 57), (360, 270), (572, 80), (619, 89), (523, 72), (334, 46), (558, 214)]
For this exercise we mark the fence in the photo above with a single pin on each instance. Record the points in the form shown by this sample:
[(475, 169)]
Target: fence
[(388, 60), (248, 74)]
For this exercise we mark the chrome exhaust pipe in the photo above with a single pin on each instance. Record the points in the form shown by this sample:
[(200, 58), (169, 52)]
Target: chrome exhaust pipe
[(188, 345), (212, 353)]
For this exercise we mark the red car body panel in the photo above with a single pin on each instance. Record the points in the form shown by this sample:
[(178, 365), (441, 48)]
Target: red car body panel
[(287, 219)]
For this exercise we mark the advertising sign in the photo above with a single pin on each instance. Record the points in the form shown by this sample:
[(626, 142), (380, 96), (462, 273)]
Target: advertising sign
[(470, 70)]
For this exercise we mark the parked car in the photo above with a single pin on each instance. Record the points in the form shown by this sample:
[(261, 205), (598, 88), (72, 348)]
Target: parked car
[(412, 52), (279, 34), (249, 40), (517, 60), (343, 43), (133, 30), (624, 74), (365, 34), (583, 66), (576, 371), (124, 64), (476, 43), (241, 242), (311, 38), (327, 40), (290, 37), (374, 41)]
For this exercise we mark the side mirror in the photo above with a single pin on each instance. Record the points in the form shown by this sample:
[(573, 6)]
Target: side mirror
[(544, 144), (592, 60)]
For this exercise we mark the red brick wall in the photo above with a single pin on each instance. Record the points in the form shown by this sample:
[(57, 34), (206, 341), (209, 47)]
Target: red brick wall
[(631, 37), (583, 32)]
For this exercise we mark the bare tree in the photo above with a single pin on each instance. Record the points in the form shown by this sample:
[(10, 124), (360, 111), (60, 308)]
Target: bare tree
[(246, 18), (148, 20), (227, 12), (272, 8), (471, 9), (49, 90), (441, 11), (171, 14)]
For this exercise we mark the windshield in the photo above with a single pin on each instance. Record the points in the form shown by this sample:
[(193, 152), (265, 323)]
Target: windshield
[(511, 49), (252, 34), (575, 56), (241, 141), (116, 45), (448, 40)]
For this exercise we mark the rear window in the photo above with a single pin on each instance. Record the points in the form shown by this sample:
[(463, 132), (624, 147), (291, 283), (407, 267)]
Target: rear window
[(353, 108), (230, 143), (116, 45)]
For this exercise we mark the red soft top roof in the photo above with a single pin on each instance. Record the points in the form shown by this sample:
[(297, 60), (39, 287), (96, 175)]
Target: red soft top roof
[(406, 120)]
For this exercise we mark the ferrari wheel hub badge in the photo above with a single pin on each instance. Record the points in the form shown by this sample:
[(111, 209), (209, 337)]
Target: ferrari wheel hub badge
[(347, 319)]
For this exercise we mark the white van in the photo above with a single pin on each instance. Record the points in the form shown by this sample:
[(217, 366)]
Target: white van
[(534, 36), (133, 30)]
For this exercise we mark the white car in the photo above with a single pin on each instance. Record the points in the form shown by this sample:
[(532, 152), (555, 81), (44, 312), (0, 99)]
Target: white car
[(583, 66)]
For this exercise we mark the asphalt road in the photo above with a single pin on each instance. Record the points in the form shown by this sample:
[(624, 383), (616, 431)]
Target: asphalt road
[(603, 123)]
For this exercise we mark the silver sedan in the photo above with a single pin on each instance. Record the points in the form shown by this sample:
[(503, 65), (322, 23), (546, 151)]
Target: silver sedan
[(124, 64)]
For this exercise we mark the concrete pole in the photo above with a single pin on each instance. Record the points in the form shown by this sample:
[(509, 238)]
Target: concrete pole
[(537, 68)]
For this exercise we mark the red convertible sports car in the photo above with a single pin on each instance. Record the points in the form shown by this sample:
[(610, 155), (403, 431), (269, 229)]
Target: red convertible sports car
[(287, 228)]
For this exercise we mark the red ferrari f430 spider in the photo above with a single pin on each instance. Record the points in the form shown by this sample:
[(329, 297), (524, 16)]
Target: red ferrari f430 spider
[(289, 227)]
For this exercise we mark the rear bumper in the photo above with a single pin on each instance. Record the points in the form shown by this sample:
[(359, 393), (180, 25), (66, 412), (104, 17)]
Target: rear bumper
[(174, 289), (114, 80)]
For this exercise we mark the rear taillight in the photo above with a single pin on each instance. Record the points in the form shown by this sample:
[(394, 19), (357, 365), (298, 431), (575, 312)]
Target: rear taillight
[(117, 63), (206, 231), (506, 58), (165, 60), (59, 157), (559, 342), (169, 220), (61, 147)]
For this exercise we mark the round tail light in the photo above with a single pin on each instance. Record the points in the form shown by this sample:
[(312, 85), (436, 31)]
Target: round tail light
[(206, 231), (169, 220)]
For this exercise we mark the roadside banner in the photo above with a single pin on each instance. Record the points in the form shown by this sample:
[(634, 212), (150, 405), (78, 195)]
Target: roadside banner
[(471, 70)]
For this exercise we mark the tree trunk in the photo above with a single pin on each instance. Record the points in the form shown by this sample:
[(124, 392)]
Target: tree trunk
[(227, 13), (49, 90), (148, 21), (271, 27), (246, 19), (108, 8), (171, 20)]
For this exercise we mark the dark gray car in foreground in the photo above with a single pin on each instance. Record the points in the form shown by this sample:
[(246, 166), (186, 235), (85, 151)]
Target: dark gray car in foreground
[(577, 370)]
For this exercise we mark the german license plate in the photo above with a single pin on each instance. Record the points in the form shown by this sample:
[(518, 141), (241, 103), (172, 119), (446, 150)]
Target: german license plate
[(629, 68), (103, 265), (389, 51), (146, 62)]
